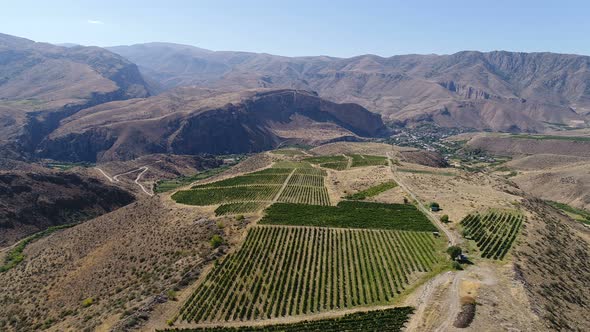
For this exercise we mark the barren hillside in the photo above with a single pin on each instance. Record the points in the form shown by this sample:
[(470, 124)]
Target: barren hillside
[(505, 91), (191, 121)]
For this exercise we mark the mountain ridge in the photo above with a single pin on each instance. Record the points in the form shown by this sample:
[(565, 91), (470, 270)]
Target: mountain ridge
[(466, 88)]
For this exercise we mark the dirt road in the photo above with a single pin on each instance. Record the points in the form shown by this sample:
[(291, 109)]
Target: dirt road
[(115, 178), (453, 239)]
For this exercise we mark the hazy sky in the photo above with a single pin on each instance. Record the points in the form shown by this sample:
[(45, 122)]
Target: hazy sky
[(303, 27)]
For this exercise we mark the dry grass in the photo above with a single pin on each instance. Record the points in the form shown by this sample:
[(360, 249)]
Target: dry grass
[(553, 263), (121, 261)]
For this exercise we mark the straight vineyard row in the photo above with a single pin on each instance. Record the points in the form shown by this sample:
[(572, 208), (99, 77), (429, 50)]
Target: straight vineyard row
[(494, 232), (286, 271), (391, 320)]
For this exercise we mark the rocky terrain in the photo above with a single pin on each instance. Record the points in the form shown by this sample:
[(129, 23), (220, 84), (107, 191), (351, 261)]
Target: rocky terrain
[(191, 121), (41, 84), (501, 91)]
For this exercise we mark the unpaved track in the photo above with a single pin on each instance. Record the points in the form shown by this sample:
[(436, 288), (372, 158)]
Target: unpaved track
[(449, 234), (115, 178), (105, 174), (145, 168)]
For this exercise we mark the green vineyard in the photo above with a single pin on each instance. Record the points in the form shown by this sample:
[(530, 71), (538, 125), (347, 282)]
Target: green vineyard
[(239, 208), (338, 162), (391, 320), (373, 191), (350, 214), (305, 195), (286, 271), (493, 231), (360, 160), (227, 195)]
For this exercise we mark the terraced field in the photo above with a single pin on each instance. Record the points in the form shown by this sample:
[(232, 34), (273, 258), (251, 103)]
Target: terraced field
[(391, 320), (285, 271), (361, 160), (307, 257), (350, 214), (305, 195), (338, 162), (306, 186), (227, 195), (373, 191), (493, 231), (240, 208)]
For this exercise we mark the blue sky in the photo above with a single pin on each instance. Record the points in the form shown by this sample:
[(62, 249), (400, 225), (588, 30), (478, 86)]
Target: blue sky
[(337, 28)]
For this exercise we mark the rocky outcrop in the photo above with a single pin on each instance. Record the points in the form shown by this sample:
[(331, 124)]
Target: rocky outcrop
[(220, 124)]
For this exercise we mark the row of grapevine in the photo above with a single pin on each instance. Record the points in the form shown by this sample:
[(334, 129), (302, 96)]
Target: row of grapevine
[(311, 171), (305, 195), (240, 208), (391, 320), (306, 180), (285, 271), (493, 231), (359, 160), (246, 180), (337, 162), (350, 214), (210, 196)]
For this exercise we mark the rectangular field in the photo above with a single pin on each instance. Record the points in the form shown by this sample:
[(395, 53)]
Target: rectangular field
[(373, 191), (239, 208), (211, 196), (350, 214), (246, 180), (305, 195), (287, 271), (361, 160), (391, 320)]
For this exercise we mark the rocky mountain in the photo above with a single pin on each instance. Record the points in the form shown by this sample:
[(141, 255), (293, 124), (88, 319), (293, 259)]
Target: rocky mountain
[(500, 91), (41, 84), (191, 121)]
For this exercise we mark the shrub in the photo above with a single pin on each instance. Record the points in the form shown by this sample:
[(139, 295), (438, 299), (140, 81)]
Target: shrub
[(171, 295), (457, 266), (87, 302), (216, 241), (444, 218)]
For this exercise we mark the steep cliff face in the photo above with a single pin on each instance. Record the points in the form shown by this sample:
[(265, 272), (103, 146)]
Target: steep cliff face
[(179, 123)]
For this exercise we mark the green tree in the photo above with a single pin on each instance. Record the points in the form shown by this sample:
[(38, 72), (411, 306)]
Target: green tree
[(434, 206), (454, 251), (444, 218)]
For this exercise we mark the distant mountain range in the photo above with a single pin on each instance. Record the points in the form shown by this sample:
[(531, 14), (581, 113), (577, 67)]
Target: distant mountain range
[(90, 103), (499, 91)]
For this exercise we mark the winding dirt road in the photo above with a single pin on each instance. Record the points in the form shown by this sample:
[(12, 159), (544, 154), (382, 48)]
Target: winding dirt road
[(115, 178)]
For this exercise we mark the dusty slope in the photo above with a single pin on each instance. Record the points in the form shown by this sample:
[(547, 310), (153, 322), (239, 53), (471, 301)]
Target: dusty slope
[(553, 262), (122, 261), (31, 201), (191, 121), (495, 90), (506, 145), (564, 179)]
